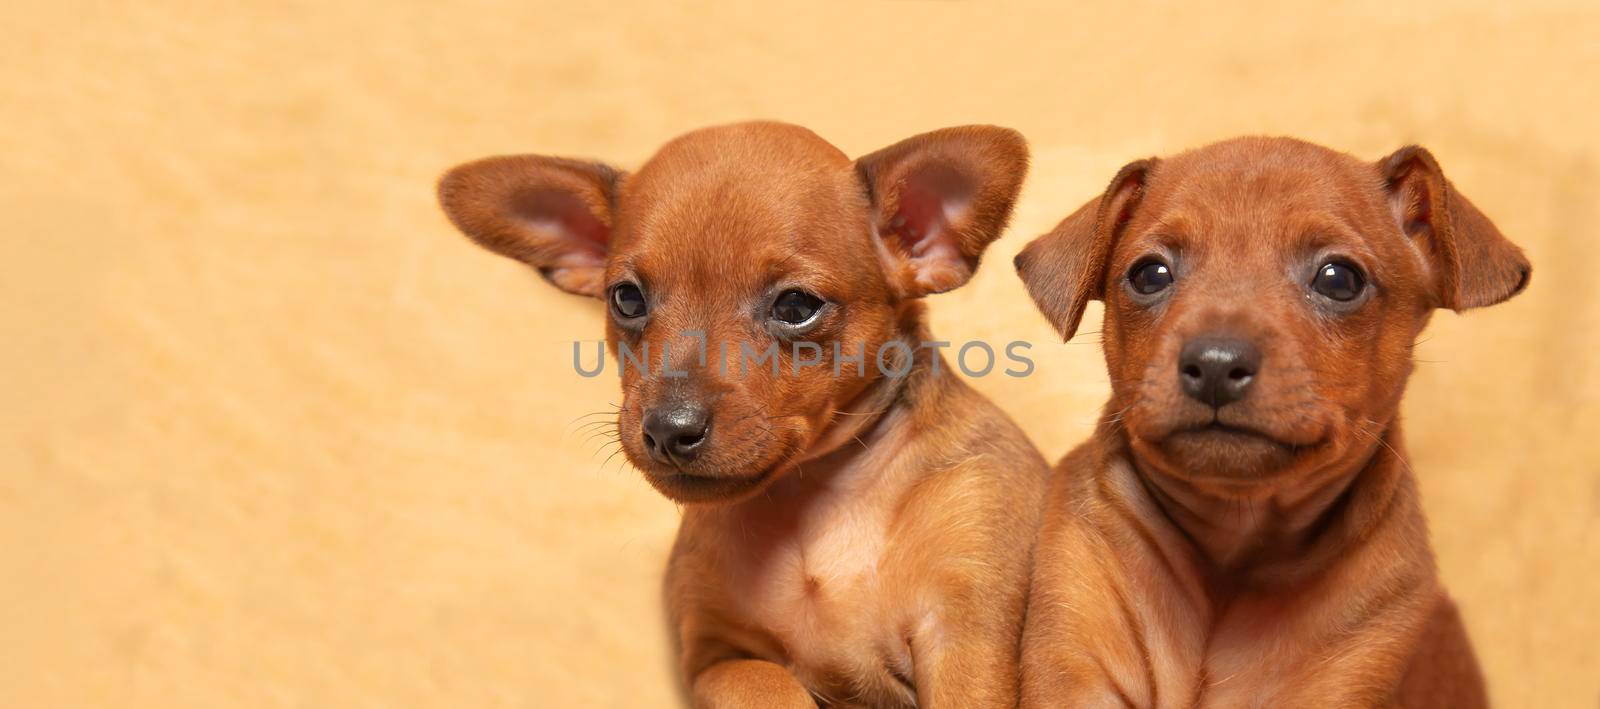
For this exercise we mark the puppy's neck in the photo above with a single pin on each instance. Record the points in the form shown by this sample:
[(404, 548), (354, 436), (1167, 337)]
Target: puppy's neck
[(1277, 532), (859, 420), (871, 428)]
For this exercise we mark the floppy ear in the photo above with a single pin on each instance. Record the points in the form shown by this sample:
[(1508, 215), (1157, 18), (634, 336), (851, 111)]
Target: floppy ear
[(553, 214), (1066, 268), (1473, 264), (939, 199)]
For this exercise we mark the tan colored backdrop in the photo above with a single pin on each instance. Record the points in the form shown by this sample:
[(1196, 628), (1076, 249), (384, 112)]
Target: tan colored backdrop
[(274, 435)]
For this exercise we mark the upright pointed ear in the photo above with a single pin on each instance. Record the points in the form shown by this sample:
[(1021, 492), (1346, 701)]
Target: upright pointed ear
[(939, 199), (1472, 263), (1066, 268), (553, 214)]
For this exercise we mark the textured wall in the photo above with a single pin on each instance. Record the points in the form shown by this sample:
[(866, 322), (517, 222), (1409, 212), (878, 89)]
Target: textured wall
[(274, 435)]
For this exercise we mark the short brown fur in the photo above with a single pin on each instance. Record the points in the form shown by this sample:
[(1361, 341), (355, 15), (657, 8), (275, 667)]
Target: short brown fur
[(1270, 550), (855, 540)]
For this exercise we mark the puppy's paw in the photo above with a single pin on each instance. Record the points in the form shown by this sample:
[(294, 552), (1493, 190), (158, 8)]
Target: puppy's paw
[(738, 684)]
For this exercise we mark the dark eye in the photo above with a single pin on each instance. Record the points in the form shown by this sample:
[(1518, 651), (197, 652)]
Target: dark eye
[(795, 307), (1339, 281), (627, 301), (1150, 277)]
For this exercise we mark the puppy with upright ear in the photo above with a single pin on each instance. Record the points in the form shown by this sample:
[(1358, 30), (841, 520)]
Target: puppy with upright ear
[(553, 214), (892, 570), (940, 199), (1262, 299)]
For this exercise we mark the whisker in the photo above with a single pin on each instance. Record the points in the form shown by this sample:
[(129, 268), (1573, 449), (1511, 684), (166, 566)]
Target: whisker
[(579, 421), (592, 425)]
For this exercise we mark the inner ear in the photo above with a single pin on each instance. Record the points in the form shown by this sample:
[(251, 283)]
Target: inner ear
[(1411, 198), (567, 217), (930, 200)]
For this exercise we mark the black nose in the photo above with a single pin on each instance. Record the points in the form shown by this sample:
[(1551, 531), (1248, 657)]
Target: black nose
[(676, 433), (1218, 370)]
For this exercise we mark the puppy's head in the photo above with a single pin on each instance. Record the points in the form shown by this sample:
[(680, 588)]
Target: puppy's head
[(751, 275), (1262, 298)]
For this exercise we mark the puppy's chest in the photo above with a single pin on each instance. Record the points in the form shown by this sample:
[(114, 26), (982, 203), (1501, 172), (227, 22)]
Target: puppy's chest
[(816, 584), (1217, 658)]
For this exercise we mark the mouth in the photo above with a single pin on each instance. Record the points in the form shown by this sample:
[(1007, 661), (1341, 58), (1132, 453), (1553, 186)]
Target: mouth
[(1215, 428), (692, 487), (1217, 441), (1227, 450)]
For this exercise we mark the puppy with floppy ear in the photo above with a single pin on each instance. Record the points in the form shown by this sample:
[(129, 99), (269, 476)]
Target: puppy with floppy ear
[(858, 522), (1242, 528)]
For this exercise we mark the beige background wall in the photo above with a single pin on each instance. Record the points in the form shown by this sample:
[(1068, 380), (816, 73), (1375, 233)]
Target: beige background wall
[(273, 435)]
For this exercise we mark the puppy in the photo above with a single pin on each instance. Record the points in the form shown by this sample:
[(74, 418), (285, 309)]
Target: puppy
[(858, 522), (1243, 528)]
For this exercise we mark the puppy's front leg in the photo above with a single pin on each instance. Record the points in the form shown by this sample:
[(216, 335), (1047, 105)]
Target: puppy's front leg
[(749, 683), (966, 657), (965, 570)]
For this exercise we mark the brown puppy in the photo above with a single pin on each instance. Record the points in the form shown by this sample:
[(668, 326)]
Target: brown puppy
[(859, 522), (1243, 529)]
